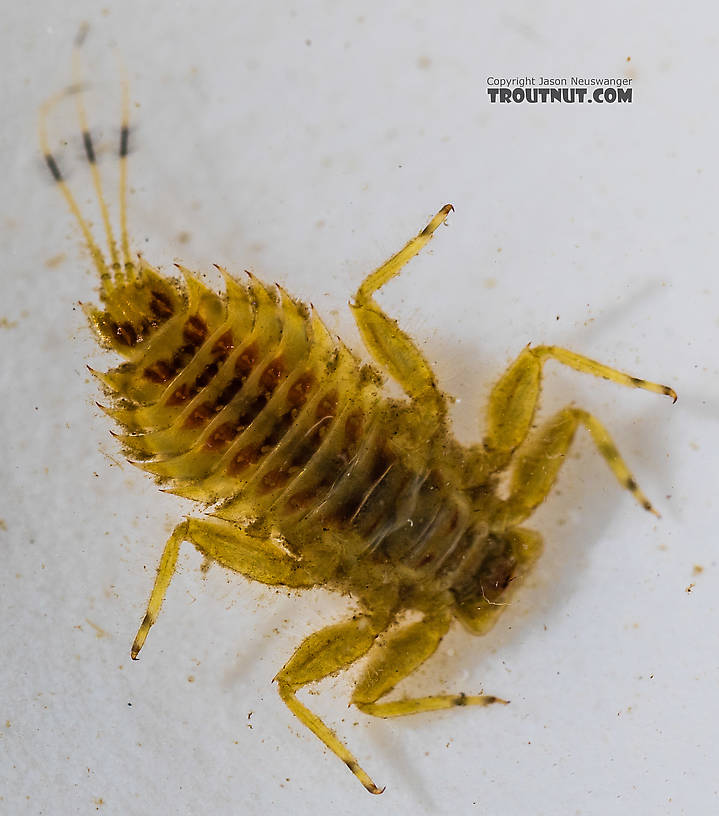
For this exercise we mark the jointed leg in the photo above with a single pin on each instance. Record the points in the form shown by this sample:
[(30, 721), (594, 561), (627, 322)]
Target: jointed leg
[(584, 364), (228, 545), (325, 652), (385, 341), (398, 657), (536, 468), (513, 400)]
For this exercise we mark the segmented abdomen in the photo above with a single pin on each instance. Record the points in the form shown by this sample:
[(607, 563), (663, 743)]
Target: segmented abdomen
[(246, 394), (246, 400)]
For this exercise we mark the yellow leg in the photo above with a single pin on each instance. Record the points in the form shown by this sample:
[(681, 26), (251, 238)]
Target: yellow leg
[(536, 468), (399, 656), (513, 399), (385, 341), (580, 363), (231, 547), (325, 652)]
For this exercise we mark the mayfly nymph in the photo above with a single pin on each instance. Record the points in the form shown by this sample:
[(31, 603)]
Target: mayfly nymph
[(309, 475)]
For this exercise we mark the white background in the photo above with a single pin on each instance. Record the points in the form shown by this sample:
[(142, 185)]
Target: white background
[(308, 143)]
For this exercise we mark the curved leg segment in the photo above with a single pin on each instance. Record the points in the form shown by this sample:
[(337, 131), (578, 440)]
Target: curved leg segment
[(392, 348), (323, 653), (537, 466), (398, 657), (513, 400), (511, 409), (584, 364), (231, 547)]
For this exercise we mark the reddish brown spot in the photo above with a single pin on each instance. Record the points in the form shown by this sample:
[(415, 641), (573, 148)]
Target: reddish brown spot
[(206, 376), (279, 430), (195, 330), (304, 452), (246, 360), (229, 391), (158, 372), (144, 329), (125, 333), (161, 305), (219, 438), (308, 445), (299, 500), (297, 395), (302, 456), (353, 427), (246, 457), (496, 575), (272, 375), (383, 461), (327, 405), (252, 410), (427, 559), (223, 346), (182, 356), (275, 478), (181, 395), (200, 415)]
